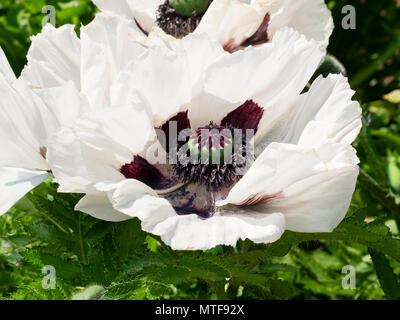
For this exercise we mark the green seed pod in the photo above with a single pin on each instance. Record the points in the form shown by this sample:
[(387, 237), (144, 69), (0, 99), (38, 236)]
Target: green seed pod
[(188, 8)]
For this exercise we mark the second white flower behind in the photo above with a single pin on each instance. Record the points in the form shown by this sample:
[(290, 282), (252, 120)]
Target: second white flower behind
[(234, 23)]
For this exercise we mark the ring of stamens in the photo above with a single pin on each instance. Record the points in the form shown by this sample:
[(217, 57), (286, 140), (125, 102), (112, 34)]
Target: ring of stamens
[(212, 157)]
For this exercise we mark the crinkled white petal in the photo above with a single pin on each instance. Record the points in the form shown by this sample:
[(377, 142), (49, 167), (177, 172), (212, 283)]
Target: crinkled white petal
[(115, 7), (98, 205), (338, 118), (316, 183), (270, 74), (200, 77), (18, 140), (325, 114), (176, 76), (157, 37), (199, 52), (318, 203), (191, 232), (232, 22), (54, 58), (65, 103), (5, 68), (25, 124), (144, 12), (130, 126), (108, 44), (160, 77), (97, 146), (309, 17), (77, 167), (15, 183), (29, 117)]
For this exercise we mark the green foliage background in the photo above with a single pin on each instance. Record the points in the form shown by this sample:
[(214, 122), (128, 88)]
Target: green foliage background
[(100, 260)]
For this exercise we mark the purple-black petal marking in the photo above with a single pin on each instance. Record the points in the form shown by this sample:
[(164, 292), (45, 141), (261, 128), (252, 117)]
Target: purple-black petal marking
[(261, 35), (140, 169), (247, 116), (182, 123)]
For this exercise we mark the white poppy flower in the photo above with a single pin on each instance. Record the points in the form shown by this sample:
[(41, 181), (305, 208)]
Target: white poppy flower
[(305, 169), (235, 23), (28, 117)]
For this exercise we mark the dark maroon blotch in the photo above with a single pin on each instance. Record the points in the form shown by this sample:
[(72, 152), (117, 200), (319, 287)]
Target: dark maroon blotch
[(259, 198), (247, 116), (182, 122), (140, 169), (261, 35)]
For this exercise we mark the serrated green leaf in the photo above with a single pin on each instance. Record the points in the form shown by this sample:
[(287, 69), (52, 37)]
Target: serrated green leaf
[(387, 278)]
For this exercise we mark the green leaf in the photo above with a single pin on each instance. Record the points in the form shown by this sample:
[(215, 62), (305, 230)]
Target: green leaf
[(387, 278)]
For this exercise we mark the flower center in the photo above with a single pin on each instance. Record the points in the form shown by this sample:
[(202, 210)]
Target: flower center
[(212, 144), (181, 17), (213, 155)]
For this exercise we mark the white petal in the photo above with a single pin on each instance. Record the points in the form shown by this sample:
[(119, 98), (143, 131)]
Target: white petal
[(108, 44), (199, 51), (338, 118), (176, 76), (29, 117), (116, 7), (131, 127), (77, 167), (5, 68), (309, 17), (157, 37), (298, 181), (65, 103), (96, 148), (24, 126), (54, 58), (325, 114), (144, 12), (161, 78), (318, 203), (99, 206), (270, 74), (231, 22), (134, 199), (15, 183), (191, 232)]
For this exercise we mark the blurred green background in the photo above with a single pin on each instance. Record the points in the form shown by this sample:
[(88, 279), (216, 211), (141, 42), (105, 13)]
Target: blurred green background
[(312, 270)]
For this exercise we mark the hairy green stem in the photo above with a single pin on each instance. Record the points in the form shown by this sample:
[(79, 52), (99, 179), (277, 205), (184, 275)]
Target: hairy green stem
[(84, 260), (378, 193), (32, 199), (367, 145)]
